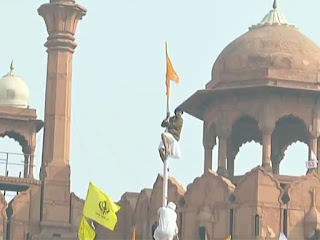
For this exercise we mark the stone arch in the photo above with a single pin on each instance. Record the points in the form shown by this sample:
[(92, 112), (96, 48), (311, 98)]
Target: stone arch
[(140, 217), (288, 130), (207, 205), (123, 228), (300, 194), (251, 181), (18, 159), (175, 191), (299, 191), (21, 139), (18, 213), (209, 188), (258, 193), (244, 129), (295, 107)]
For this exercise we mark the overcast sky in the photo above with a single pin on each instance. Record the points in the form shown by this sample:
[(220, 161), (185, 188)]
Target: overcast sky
[(118, 91)]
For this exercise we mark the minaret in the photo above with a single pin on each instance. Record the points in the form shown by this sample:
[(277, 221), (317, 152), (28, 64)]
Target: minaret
[(61, 18)]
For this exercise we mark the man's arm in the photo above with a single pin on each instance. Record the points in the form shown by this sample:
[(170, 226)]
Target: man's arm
[(176, 231), (175, 123), (165, 122)]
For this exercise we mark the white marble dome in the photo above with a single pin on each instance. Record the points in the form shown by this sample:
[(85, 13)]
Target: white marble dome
[(13, 91)]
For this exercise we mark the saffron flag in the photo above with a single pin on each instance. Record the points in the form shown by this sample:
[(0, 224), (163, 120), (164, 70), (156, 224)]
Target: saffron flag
[(228, 238), (171, 73), (133, 234), (100, 208), (86, 232)]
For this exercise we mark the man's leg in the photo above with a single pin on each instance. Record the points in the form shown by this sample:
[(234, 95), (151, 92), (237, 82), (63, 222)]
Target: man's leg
[(166, 147), (165, 143), (162, 154)]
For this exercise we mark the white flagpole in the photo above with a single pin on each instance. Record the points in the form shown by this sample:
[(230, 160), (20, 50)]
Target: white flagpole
[(165, 162), (165, 183)]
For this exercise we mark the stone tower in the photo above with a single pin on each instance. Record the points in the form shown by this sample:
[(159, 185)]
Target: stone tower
[(61, 18), (265, 88), (45, 208), (19, 122)]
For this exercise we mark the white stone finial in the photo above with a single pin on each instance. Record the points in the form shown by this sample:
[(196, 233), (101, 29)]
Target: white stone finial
[(275, 4), (11, 66), (274, 17)]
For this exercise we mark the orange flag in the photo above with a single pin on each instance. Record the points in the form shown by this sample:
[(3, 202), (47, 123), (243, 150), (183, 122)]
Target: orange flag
[(134, 234), (171, 73)]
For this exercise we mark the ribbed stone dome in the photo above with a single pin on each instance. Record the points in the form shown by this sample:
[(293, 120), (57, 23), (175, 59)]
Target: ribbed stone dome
[(272, 49), (13, 91)]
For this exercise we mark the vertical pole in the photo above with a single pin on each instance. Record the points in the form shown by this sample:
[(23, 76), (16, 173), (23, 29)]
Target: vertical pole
[(7, 164), (31, 165), (266, 149), (165, 167), (25, 165), (165, 183)]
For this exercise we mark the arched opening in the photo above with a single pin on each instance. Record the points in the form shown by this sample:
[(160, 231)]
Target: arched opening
[(14, 154), (256, 225), (11, 157), (294, 161), (231, 222), (244, 146), (202, 233), (289, 146), (248, 157)]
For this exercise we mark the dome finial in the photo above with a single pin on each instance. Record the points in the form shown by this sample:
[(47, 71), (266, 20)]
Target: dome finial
[(274, 17), (11, 66), (275, 5)]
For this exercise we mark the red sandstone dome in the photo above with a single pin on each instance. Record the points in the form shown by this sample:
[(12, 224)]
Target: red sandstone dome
[(270, 53)]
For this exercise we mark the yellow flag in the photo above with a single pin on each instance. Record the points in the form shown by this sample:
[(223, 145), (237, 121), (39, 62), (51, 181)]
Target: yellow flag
[(86, 232), (100, 208), (228, 238), (133, 234), (171, 73)]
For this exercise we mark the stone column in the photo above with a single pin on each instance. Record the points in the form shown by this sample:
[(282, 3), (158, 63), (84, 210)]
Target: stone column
[(207, 157), (31, 165), (313, 147), (315, 132), (276, 164), (231, 154), (26, 164), (61, 18), (276, 154), (209, 141), (266, 149), (222, 156), (32, 143)]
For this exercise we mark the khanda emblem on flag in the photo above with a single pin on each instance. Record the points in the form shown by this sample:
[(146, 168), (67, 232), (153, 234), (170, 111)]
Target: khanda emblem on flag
[(103, 207)]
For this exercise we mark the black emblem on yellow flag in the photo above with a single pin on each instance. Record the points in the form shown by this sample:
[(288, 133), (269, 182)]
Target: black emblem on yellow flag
[(103, 207)]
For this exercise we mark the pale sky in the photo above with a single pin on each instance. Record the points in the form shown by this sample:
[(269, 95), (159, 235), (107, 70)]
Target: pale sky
[(118, 91)]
